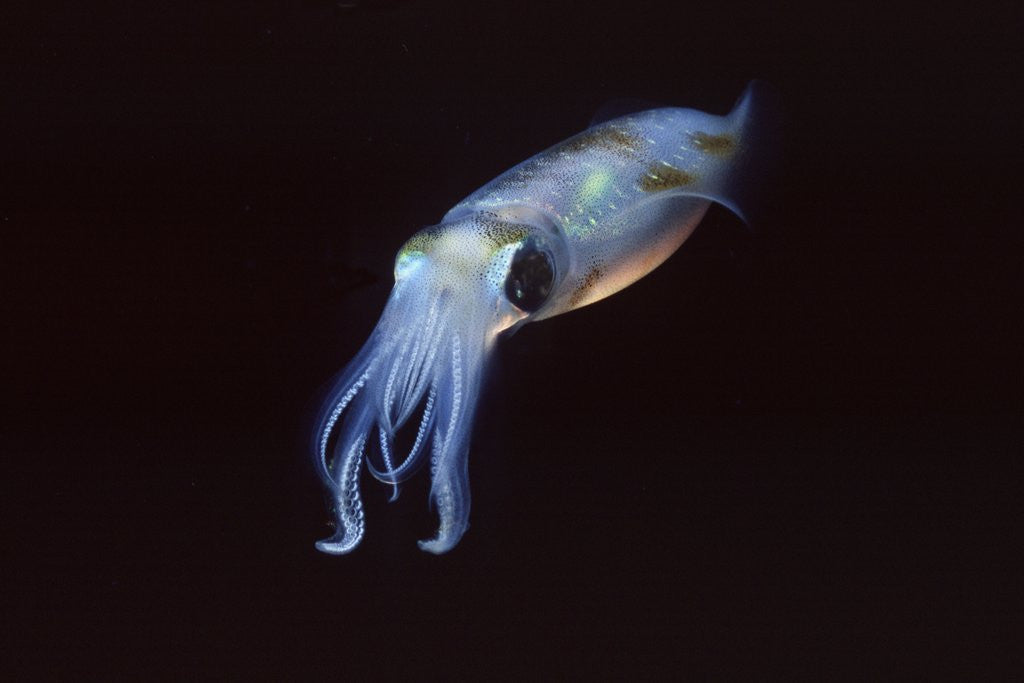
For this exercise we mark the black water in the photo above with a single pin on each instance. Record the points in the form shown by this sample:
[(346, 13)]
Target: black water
[(788, 452)]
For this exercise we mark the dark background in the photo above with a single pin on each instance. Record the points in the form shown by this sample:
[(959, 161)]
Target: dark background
[(787, 452)]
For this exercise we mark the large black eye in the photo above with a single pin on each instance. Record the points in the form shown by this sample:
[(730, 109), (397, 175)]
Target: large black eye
[(529, 279)]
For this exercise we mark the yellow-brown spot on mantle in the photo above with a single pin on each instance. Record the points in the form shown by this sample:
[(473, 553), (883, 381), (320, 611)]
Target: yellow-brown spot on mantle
[(589, 280), (610, 139), (715, 145), (661, 176)]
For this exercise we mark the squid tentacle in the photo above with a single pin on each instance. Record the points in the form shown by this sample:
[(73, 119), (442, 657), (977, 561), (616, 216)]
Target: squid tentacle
[(396, 475), (348, 502), (385, 452), (418, 371), (390, 385), (331, 420), (449, 492), (402, 394)]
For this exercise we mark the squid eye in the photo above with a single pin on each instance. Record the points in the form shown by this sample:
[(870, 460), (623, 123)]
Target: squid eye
[(529, 278)]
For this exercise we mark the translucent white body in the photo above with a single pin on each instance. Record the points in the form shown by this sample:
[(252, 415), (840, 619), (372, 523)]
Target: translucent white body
[(603, 209)]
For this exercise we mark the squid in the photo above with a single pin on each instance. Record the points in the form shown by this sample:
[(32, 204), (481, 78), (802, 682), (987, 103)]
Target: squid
[(568, 227)]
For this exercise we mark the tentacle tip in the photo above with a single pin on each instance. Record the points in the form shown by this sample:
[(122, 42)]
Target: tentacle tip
[(440, 544), (435, 546), (338, 545)]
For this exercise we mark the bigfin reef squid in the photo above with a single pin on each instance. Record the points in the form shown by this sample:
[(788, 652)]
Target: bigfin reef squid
[(568, 227)]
